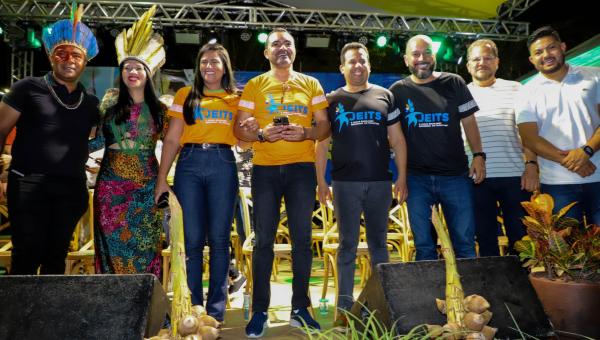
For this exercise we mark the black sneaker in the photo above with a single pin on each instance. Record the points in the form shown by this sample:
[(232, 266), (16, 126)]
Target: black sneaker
[(237, 284), (301, 317), (258, 325)]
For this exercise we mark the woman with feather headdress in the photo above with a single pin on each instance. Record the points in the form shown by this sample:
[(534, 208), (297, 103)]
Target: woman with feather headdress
[(127, 224)]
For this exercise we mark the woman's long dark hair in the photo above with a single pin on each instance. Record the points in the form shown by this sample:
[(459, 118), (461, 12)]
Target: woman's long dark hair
[(197, 92), (121, 111)]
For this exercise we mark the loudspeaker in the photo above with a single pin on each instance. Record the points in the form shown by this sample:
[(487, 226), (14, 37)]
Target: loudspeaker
[(404, 294), (81, 307)]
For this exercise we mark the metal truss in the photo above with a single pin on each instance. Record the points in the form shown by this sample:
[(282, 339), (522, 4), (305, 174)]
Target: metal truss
[(21, 65), (513, 8), (210, 14)]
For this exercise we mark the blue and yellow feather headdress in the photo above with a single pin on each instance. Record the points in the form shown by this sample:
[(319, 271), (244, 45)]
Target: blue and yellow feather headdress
[(71, 32)]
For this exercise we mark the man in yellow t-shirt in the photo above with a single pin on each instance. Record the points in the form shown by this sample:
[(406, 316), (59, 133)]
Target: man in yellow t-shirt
[(285, 104)]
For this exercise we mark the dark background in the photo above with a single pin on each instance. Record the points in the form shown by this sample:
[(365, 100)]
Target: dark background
[(574, 20)]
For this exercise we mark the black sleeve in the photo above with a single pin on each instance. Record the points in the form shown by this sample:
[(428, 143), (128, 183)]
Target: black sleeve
[(17, 97), (393, 113), (467, 105)]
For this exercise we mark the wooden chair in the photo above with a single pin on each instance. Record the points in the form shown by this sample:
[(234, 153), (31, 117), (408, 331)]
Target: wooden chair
[(81, 259), (400, 236), (330, 248), (5, 255)]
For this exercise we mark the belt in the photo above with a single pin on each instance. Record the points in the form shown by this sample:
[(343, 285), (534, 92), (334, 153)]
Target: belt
[(206, 146)]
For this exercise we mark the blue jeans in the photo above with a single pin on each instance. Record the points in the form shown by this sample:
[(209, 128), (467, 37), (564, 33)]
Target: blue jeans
[(206, 186), (455, 194), (587, 195), (350, 199), (507, 191), (296, 183)]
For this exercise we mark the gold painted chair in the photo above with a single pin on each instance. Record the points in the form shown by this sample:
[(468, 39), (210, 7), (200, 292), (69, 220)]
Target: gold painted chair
[(400, 235), (81, 259), (330, 248)]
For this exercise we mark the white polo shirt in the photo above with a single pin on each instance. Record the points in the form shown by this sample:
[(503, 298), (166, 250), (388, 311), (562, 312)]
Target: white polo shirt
[(497, 128), (567, 116)]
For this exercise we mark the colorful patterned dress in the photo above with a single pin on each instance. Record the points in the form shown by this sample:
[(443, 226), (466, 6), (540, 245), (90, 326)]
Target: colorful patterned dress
[(127, 225)]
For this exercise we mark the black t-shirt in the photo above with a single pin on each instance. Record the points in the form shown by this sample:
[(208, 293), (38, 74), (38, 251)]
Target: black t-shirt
[(51, 139), (430, 116), (359, 122)]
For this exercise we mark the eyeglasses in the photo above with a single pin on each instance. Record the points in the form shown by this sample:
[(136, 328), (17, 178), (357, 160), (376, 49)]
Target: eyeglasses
[(485, 59), (284, 88)]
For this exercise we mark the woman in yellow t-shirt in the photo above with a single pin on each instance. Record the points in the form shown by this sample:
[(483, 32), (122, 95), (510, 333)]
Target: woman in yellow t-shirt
[(206, 181)]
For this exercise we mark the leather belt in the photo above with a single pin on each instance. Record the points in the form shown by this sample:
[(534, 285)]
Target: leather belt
[(206, 146)]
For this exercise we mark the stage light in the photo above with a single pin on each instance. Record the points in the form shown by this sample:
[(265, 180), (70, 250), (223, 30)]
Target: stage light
[(438, 45), (212, 40), (245, 36), (262, 37), (1, 30), (32, 40), (381, 41), (363, 40)]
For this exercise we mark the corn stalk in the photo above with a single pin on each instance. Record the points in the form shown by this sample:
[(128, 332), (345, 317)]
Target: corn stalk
[(182, 301), (455, 309)]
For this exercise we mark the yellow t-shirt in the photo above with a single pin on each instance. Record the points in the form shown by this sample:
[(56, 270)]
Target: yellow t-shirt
[(214, 117), (298, 98)]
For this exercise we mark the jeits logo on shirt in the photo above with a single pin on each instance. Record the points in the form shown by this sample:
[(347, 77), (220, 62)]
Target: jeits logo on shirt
[(424, 120), (349, 118), (212, 116), (283, 108)]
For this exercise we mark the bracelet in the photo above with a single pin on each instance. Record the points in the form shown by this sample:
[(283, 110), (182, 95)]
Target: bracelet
[(531, 162)]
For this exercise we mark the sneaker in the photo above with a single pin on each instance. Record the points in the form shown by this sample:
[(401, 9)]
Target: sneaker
[(258, 325), (301, 317), (341, 323), (237, 284)]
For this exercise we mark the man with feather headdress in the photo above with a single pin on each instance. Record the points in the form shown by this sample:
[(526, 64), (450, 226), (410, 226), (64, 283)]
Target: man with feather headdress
[(53, 114)]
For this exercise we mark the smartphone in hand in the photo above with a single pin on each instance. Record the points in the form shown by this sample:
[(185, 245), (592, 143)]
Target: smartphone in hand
[(163, 200)]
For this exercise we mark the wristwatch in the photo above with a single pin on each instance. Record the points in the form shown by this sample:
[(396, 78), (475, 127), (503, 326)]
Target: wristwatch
[(479, 154), (261, 136), (531, 162), (588, 150)]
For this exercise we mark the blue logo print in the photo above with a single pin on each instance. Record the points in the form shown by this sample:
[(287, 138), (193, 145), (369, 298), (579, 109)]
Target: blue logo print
[(203, 113), (347, 118), (424, 120), (276, 108)]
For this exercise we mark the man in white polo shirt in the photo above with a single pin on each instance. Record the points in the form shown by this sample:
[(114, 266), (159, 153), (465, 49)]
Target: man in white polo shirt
[(511, 171), (558, 118)]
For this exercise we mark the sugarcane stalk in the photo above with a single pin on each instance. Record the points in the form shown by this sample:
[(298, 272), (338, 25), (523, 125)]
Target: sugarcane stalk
[(455, 310)]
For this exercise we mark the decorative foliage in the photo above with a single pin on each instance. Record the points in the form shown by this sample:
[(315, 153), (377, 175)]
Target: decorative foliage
[(556, 244)]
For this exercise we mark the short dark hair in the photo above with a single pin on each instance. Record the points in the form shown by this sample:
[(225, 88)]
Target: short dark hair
[(541, 32), (277, 30), (352, 46)]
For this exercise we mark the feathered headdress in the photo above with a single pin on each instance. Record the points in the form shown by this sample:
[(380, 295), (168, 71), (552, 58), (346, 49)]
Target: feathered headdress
[(141, 43), (71, 32)]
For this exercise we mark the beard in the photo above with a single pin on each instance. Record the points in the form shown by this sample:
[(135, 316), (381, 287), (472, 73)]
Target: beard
[(422, 74), (560, 62)]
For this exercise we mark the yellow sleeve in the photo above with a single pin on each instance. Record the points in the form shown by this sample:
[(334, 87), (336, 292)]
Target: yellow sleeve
[(176, 109), (318, 100), (247, 101)]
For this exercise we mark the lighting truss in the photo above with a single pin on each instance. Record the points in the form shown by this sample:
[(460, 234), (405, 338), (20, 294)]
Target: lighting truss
[(203, 15), (513, 8)]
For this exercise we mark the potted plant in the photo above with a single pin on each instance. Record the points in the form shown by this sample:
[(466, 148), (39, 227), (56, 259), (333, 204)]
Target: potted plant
[(564, 260)]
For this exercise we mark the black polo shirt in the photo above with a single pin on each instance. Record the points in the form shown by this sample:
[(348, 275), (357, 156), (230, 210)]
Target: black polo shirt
[(51, 139)]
